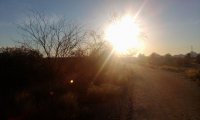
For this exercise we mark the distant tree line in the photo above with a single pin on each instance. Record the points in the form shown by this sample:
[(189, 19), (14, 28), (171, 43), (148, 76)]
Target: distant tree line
[(177, 60)]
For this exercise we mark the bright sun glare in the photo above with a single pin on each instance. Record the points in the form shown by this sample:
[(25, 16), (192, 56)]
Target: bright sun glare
[(123, 34)]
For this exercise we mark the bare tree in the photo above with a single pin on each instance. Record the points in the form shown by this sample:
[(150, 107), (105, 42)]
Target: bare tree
[(52, 36), (96, 45)]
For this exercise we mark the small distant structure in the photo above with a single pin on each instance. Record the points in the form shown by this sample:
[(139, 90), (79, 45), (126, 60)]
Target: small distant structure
[(192, 53)]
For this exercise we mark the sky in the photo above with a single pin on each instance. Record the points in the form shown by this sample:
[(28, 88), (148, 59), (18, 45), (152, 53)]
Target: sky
[(171, 26)]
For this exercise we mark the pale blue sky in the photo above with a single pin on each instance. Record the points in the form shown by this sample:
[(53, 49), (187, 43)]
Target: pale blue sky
[(172, 26)]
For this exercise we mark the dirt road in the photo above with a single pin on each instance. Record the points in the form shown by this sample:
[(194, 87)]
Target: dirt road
[(164, 95)]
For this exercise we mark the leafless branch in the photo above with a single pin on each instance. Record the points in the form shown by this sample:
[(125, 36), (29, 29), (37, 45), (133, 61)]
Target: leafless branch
[(55, 38)]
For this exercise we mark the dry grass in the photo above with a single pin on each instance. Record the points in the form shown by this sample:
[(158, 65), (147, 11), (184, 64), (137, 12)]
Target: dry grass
[(193, 73), (103, 93), (171, 68)]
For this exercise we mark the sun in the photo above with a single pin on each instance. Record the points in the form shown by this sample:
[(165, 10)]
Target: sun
[(123, 34)]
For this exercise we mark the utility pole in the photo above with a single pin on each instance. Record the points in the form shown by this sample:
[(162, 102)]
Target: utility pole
[(191, 48)]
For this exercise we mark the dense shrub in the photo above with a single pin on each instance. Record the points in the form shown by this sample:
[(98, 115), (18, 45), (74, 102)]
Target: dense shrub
[(33, 87)]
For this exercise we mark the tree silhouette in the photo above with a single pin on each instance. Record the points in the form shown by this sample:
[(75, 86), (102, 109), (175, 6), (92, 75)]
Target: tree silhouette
[(96, 45), (52, 37)]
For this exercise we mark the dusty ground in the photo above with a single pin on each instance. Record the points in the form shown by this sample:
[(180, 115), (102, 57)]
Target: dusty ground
[(164, 95)]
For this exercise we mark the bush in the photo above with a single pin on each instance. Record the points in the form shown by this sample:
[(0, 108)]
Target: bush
[(33, 87), (193, 73)]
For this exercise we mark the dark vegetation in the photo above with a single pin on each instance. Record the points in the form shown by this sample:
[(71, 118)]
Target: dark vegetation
[(33, 87)]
